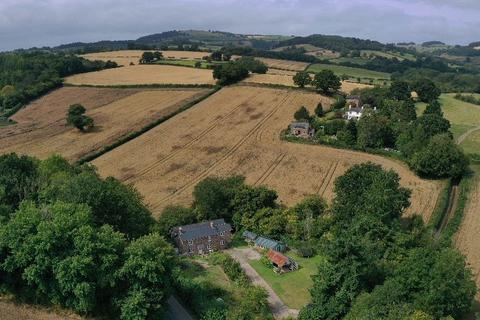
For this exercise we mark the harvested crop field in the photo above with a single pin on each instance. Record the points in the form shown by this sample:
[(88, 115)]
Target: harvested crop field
[(287, 80), (466, 239), (143, 75), (284, 64), (237, 131), (10, 310), (125, 57), (41, 126)]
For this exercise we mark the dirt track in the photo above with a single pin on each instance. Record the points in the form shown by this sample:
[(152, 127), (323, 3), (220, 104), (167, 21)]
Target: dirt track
[(236, 131)]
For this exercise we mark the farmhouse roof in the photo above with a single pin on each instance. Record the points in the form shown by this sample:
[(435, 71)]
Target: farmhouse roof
[(203, 229), (279, 259), (302, 125), (357, 110), (353, 97), (249, 235), (269, 244)]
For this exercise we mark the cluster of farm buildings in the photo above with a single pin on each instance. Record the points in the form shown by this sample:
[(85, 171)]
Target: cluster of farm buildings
[(216, 235), (354, 111)]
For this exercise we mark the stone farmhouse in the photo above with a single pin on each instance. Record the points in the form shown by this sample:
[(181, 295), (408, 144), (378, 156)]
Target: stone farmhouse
[(202, 238), (302, 130)]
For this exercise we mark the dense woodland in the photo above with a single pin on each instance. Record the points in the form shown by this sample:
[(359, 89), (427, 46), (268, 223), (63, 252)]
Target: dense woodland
[(26, 75)]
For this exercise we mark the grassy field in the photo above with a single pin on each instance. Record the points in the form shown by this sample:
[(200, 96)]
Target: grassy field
[(351, 72), (472, 143), (293, 287), (463, 116)]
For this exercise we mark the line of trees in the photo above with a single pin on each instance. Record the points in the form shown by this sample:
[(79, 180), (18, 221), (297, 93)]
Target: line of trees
[(324, 81), (380, 265), (234, 71), (26, 75)]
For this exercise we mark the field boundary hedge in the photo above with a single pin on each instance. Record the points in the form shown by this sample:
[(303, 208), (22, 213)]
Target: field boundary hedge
[(148, 127), (441, 207), (455, 222)]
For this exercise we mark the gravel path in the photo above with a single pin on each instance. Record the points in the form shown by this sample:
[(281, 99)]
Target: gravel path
[(279, 309)]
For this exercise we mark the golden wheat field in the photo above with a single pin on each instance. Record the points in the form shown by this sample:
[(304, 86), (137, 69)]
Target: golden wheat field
[(41, 126), (284, 64), (237, 131), (287, 80), (143, 75), (125, 57), (466, 239), (10, 310)]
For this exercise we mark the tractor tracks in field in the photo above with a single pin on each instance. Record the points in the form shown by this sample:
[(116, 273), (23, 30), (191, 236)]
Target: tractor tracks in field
[(328, 179), (226, 156), (182, 148), (267, 173)]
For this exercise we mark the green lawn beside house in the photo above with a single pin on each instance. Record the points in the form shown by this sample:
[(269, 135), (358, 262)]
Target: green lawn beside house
[(293, 287)]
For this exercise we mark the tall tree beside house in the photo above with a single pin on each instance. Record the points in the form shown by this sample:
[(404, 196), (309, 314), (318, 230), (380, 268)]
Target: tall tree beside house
[(400, 90), (302, 114), (319, 110)]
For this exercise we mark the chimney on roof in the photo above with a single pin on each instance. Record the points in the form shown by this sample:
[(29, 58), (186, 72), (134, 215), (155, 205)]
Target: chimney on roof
[(212, 225)]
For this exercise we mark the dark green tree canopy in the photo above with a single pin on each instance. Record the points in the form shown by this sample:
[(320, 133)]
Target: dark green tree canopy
[(76, 117), (427, 90), (440, 158), (302, 114), (302, 79), (326, 81)]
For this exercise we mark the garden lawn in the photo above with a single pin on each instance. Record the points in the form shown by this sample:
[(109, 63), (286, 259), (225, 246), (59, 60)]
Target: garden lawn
[(462, 115), (293, 287), (349, 71)]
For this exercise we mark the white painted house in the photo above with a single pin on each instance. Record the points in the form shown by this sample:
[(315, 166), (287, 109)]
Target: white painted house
[(354, 113)]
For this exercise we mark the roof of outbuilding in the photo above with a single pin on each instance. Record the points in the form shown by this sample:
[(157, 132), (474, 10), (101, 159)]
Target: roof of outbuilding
[(276, 257), (269, 243), (203, 229), (249, 235), (303, 125)]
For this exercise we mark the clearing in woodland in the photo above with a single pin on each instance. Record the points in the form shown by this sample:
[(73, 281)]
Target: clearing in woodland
[(236, 131), (125, 57), (41, 126), (143, 75)]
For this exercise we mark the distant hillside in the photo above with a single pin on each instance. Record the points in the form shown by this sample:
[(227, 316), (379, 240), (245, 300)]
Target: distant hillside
[(433, 43), (335, 43)]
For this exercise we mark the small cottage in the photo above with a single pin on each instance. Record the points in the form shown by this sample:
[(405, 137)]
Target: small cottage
[(266, 243), (354, 113), (281, 262), (302, 130), (202, 238)]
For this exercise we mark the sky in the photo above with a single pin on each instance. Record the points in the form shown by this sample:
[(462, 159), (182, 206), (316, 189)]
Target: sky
[(28, 23)]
